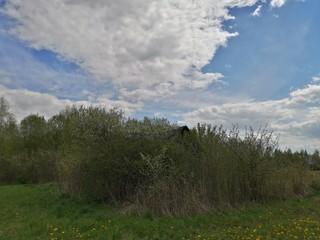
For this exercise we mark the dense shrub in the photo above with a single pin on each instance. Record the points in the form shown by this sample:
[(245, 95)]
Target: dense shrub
[(211, 167), (150, 163), (104, 157)]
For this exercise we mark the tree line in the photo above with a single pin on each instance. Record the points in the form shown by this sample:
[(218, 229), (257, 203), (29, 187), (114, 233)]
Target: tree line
[(100, 154)]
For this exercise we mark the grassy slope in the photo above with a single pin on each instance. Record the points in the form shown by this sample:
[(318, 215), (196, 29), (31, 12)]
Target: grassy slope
[(39, 212)]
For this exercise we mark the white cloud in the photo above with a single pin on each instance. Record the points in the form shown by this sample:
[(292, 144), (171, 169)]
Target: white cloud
[(277, 3), (257, 12), (316, 78), (24, 102), (295, 118), (146, 51), (19, 69), (127, 107), (280, 3), (131, 44), (243, 113), (309, 94)]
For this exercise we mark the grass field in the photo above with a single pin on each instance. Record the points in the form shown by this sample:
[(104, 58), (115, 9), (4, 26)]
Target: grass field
[(41, 212)]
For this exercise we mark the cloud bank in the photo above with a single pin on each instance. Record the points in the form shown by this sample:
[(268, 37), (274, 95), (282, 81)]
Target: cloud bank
[(295, 118), (24, 102), (138, 46)]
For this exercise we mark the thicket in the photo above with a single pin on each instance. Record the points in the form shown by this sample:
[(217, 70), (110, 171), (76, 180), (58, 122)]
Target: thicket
[(149, 164)]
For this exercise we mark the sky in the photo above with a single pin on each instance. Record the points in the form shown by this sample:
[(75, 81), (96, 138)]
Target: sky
[(246, 62)]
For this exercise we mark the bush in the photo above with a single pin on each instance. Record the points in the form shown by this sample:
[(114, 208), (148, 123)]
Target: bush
[(118, 160), (151, 164), (104, 158)]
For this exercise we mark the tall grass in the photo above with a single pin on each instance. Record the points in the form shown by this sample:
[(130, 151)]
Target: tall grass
[(43, 212)]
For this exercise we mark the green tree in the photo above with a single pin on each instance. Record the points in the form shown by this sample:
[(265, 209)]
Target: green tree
[(33, 131), (37, 159), (8, 136), (315, 160), (7, 119)]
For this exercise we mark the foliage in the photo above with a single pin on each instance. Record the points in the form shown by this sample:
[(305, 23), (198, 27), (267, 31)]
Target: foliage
[(150, 164), (8, 138), (315, 160)]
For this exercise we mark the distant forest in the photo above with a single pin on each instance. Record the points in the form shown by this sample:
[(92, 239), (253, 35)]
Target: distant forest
[(100, 154)]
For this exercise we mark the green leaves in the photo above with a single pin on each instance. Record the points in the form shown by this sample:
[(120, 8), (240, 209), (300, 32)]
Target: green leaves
[(151, 163), (6, 117)]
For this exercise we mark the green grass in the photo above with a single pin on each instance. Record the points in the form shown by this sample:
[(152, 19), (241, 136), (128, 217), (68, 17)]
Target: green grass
[(41, 212)]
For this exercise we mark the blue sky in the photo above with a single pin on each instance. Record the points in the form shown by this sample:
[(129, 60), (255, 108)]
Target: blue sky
[(246, 62), (277, 50)]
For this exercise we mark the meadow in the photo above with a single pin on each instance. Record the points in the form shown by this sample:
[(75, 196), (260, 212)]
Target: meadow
[(44, 212)]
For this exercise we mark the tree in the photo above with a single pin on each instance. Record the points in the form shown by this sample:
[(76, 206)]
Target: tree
[(8, 134), (6, 117), (7, 126), (315, 160), (33, 131)]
